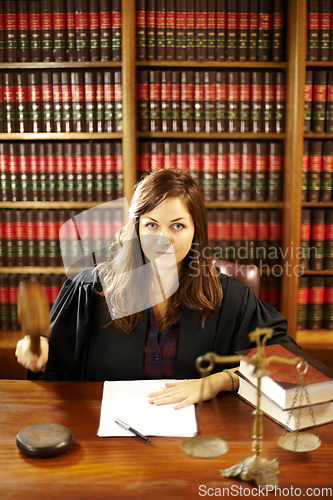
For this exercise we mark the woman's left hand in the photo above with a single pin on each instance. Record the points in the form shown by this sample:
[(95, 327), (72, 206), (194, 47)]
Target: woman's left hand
[(188, 392)]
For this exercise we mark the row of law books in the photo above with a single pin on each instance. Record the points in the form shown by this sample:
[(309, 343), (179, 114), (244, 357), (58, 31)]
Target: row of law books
[(315, 303), (316, 251), (61, 101), (246, 236), (270, 290), (319, 30), (61, 171), (225, 170), (281, 398), (216, 30), (60, 30), (317, 171), (318, 101), (55, 237), (211, 101), (52, 284), (8, 295)]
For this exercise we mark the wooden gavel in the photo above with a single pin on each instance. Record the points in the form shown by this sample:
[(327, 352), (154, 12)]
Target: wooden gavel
[(33, 311)]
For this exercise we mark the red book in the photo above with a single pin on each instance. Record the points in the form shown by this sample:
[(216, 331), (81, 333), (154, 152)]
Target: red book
[(243, 27), (275, 172), (106, 23), (231, 31), (151, 30), (170, 26), (316, 303), (169, 155), (166, 100), (200, 31), (116, 30), (156, 156), (263, 236), (57, 101), (278, 30), (176, 95), (194, 164), (246, 183), (66, 101), (4, 303), (199, 98), (79, 171), (253, 30), (190, 27), (265, 30), (180, 30), (98, 169), (236, 236), (142, 90), (187, 100), (308, 94), (328, 247), (269, 101), (326, 179), (118, 90), (77, 84), (329, 103), (1, 34), (211, 30), (221, 101), (89, 102), (23, 117), (302, 302), (275, 236), (100, 100), (10, 105), (46, 27), (23, 42), (222, 174), (260, 171), (314, 171), (234, 169), (82, 29), (35, 31), (313, 53), (50, 186), (66, 45), (209, 170), (155, 100), (182, 156), (233, 101), (118, 181), (245, 101), (60, 192), (144, 159), (210, 101), (317, 240), (47, 102), (141, 30), (328, 303), (250, 235), (257, 99), (280, 101), (221, 20), (88, 171), (94, 31), (319, 101), (2, 105), (10, 30), (160, 30), (34, 97), (325, 29)]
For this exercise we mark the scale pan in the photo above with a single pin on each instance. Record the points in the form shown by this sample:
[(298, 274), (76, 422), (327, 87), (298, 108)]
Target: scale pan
[(300, 442), (204, 446)]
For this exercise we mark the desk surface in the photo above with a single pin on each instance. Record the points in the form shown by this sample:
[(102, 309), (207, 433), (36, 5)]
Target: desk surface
[(130, 468)]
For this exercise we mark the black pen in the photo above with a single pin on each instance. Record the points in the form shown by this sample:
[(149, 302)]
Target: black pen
[(128, 428)]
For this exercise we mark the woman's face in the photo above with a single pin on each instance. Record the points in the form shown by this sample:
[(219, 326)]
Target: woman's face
[(166, 233)]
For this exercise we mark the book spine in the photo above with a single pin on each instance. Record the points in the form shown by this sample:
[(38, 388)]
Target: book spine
[(66, 102), (180, 30), (60, 193), (100, 100), (313, 30), (222, 171), (199, 98), (141, 30), (90, 102), (236, 236), (314, 172), (231, 31), (329, 103), (105, 23), (302, 302), (200, 32), (209, 169), (42, 171), (143, 159), (77, 87), (9, 102), (34, 96), (35, 31), (57, 101), (257, 98), (94, 30), (328, 303), (59, 28), (23, 50), (317, 240), (156, 156), (155, 101), (304, 259), (190, 27), (69, 166), (2, 56), (97, 170), (194, 165), (170, 26), (66, 45), (118, 101), (46, 27), (328, 245), (234, 170), (305, 169), (319, 101), (264, 30), (275, 171), (182, 156), (221, 25), (10, 30), (278, 17), (176, 107), (82, 30), (166, 101), (187, 100), (280, 101), (247, 159), (4, 303), (221, 101), (22, 115), (143, 100), (107, 170), (160, 30), (250, 235), (326, 179), (210, 101), (151, 30), (263, 236), (233, 101), (308, 100), (275, 237), (325, 27), (260, 170), (243, 27), (116, 30), (253, 30), (245, 101), (47, 102), (118, 184), (269, 101), (315, 304), (211, 30)]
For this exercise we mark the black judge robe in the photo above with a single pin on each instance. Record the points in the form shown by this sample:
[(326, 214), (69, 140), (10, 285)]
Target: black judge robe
[(83, 348)]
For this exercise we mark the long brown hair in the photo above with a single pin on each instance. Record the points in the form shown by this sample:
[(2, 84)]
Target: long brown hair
[(199, 286)]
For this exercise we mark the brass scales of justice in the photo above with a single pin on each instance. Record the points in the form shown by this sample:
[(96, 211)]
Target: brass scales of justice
[(255, 468)]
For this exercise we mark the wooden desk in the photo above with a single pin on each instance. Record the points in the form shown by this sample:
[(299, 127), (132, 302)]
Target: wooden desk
[(128, 467)]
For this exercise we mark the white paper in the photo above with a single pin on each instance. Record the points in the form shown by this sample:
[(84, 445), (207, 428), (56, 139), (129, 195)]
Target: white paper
[(128, 401)]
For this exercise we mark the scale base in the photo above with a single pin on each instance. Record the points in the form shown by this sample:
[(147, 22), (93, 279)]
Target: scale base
[(44, 440), (259, 470)]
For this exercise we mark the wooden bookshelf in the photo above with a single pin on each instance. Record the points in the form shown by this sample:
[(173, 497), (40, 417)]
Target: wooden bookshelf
[(294, 67)]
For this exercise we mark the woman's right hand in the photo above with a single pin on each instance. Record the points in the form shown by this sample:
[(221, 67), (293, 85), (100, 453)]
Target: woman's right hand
[(28, 359)]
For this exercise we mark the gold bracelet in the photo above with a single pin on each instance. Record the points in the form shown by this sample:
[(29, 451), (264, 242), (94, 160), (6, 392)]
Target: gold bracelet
[(232, 381)]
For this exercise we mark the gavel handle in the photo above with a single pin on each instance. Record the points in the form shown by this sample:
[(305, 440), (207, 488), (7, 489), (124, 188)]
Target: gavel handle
[(35, 344)]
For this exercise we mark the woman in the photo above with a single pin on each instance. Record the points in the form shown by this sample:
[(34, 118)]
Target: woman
[(156, 305)]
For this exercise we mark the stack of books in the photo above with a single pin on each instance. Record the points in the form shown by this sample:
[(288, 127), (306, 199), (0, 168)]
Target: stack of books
[(278, 390)]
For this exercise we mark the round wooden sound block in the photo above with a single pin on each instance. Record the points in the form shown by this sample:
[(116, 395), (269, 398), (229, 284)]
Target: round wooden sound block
[(44, 440)]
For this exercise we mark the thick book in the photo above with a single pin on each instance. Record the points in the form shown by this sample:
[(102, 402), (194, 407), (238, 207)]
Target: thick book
[(281, 383), (292, 420)]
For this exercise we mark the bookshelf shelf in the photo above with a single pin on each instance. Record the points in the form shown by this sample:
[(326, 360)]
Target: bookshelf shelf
[(211, 135), (61, 65), (317, 204), (61, 136), (50, 204), (314, 135), (244, 204), (320, 64), (214, 64), (31, 270), (315, 339)]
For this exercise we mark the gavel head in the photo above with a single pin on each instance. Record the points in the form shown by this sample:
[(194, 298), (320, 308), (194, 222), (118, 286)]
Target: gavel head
[(33, 309)]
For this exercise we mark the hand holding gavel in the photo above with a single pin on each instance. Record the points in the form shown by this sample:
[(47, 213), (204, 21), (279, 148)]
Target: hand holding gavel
[(33, 314)]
